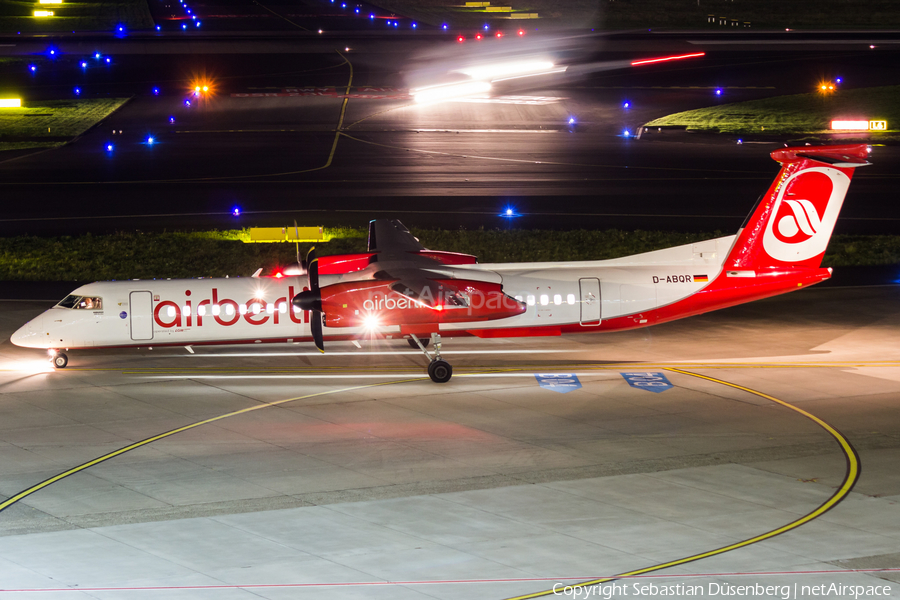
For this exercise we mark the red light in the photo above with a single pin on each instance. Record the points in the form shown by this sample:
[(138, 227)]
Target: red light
[(521, 32), (666, 59), (478, 36), (460, 39), (278, 275), (439, 307), (499, 34)]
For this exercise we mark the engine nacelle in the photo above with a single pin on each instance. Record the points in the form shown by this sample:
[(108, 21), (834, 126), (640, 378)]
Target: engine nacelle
[(375, 303)]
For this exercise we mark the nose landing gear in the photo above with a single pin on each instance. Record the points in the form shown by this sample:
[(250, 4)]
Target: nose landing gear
[(439, 370)]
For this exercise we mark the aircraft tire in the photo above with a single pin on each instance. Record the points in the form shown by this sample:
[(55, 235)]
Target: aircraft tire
[(60, 361), (412, 343), (440, 371)]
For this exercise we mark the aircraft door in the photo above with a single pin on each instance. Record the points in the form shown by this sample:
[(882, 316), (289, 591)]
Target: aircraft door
[(590, 301), (140, 305)]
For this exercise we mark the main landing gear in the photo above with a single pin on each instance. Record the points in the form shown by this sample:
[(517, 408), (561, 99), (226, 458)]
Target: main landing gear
[(439, 370), (59, 360)]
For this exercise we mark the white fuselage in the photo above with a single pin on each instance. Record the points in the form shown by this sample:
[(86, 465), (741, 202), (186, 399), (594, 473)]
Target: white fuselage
[(188, 312)]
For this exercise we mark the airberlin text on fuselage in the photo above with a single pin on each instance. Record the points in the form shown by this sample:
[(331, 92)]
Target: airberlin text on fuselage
[(225, 311)]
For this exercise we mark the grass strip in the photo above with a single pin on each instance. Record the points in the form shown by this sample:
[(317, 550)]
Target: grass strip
[(75, 15), (54, 118), (800, 113), (219, 253)]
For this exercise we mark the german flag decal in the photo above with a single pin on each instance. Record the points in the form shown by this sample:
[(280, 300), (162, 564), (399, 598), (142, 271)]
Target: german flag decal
[(700, 278)]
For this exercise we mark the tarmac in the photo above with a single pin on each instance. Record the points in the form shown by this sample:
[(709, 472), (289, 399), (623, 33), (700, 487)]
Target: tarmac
[(769, 460)]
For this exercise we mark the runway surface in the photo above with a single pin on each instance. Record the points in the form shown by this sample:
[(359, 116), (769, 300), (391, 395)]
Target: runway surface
[(323, 131), (276, 472)]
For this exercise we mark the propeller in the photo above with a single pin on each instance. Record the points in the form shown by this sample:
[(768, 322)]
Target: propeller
[(311, 299)]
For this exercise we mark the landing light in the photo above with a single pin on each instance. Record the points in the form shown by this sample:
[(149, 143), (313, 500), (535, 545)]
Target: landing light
[(370, 322)]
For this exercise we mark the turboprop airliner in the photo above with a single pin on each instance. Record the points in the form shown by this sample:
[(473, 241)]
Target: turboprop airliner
[(399, 289)]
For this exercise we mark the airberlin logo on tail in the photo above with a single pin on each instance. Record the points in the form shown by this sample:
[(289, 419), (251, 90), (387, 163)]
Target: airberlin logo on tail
[(801, 224)]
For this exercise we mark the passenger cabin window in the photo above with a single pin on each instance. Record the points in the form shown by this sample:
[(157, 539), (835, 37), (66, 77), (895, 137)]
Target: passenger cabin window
[(81, 302)]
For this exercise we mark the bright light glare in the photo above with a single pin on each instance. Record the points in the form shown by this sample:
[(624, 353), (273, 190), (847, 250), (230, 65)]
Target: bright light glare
[(43, 13), (150, 141), (10, 103), (850, 125), (370, 322), (440, 93), (507, 70)]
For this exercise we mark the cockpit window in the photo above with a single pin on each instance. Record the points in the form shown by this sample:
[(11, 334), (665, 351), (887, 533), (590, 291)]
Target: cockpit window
[(81, 302)]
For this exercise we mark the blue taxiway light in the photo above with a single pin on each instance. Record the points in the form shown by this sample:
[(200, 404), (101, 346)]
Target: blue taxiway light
[(198, 23), (156, 91), (486, 26), (571, 120), (171, 119), (444, 27), (83, 65), (96, 55), (108, 60), (838, 80), (184, 25), (626, 133), (109, 147), (236, 211), (509, 213), (187, 103), (32, 68), (77, 91), (371, 16), (157, 28), (150, 141), (626, 105), (718, 91), (414, 25)]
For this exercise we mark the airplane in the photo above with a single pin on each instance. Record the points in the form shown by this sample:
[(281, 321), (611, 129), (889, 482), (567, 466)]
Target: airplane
[(399, 289)]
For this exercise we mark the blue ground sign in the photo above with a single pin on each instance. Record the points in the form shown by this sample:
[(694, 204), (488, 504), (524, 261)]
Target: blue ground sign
[(650, 381), (558, 382)]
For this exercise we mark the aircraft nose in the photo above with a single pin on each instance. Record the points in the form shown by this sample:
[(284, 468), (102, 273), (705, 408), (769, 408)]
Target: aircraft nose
[(30, 334)]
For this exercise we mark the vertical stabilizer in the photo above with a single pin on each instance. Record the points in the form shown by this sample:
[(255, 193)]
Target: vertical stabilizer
[(792, 224)]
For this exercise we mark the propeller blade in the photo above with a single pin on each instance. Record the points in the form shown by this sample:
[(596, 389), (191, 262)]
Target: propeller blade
[(315, 325), (312, 269)]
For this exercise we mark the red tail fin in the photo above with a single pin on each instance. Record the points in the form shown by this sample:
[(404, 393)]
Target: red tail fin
[(793, 222)]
